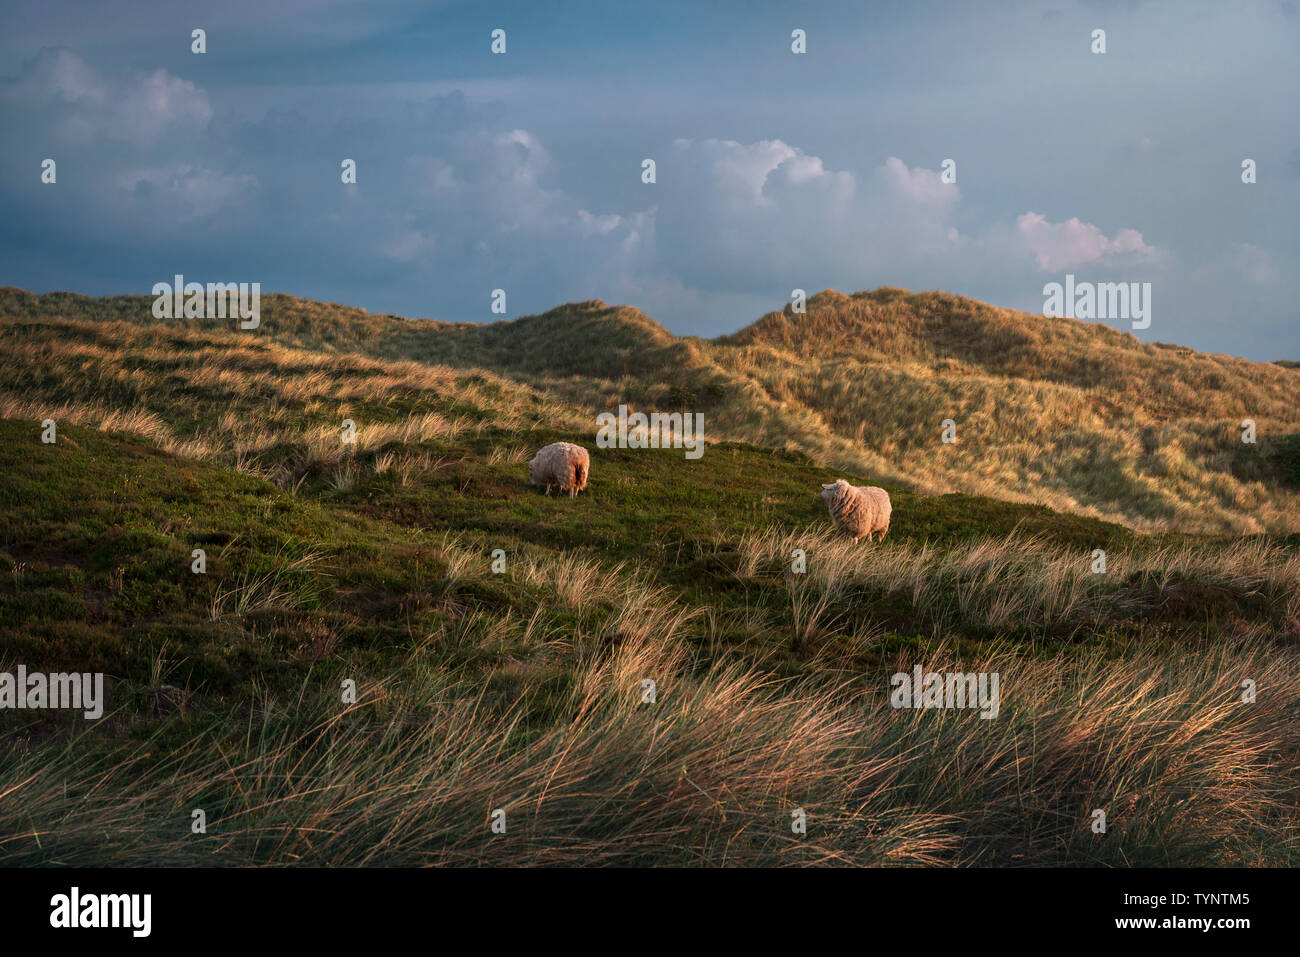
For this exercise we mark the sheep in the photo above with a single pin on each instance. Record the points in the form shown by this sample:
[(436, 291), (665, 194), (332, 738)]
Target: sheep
[(858, 511), (563, 465)]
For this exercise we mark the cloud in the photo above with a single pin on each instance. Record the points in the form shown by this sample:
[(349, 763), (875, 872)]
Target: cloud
[(84, 105), (758, 175), (413, 247), (591, 225), (1057, 246), (453, 201), (482, 208), (734, 221), (153, 104), (57, 75), (742, 216), (921, 186), (192, 191)]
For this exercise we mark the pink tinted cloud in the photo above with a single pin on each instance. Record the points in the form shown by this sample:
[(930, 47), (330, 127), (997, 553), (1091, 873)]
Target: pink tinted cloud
[(1073, 243)]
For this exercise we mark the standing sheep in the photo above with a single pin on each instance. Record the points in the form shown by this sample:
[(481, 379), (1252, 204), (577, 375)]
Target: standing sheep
[(563, 465), (858, 511)]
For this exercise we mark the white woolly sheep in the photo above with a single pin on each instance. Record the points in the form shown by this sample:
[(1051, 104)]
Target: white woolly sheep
[(857, 510), (563, 465)]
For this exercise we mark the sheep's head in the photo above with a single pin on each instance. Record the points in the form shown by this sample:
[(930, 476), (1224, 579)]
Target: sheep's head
[(833, 491)]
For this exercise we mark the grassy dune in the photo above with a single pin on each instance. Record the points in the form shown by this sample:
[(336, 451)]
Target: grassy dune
[(522, 690), (1072, 415), (1075, 415)]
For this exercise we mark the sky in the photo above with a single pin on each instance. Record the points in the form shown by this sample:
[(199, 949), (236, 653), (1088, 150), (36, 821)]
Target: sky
[(774, 170)]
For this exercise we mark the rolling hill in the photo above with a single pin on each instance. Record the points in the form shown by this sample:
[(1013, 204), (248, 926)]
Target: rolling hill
[(521, 687), (1072, 415)]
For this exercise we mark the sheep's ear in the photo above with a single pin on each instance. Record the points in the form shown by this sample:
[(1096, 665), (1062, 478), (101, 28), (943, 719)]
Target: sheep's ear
[(832, 485)]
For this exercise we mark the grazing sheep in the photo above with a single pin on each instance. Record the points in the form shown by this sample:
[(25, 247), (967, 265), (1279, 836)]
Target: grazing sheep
[(563, 465), (858, 511)]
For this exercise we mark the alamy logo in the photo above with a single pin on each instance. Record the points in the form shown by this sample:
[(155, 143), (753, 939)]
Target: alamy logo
[(1107, 300), (216, 300), (80, 692), (103, 910), (659, 430), (954, 690)]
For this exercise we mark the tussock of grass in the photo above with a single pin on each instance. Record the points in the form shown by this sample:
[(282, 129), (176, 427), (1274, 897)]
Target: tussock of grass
[(290, 583)]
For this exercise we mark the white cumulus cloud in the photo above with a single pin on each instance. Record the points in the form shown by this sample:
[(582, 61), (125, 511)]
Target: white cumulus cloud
[(1056, 246)]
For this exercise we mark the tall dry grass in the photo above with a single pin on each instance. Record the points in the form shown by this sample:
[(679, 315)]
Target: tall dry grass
[(709, 773), (261, 407), (1017, 583)]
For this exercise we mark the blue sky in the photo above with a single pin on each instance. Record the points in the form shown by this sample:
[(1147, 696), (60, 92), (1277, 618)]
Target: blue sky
[(775, 171)]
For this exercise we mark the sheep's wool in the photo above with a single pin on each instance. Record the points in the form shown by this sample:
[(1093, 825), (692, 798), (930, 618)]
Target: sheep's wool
[(858, 511), (562, 464)]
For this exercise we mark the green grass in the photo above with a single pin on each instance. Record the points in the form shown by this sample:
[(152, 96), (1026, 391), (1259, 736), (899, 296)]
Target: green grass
[(398, 594), (110, 523)]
